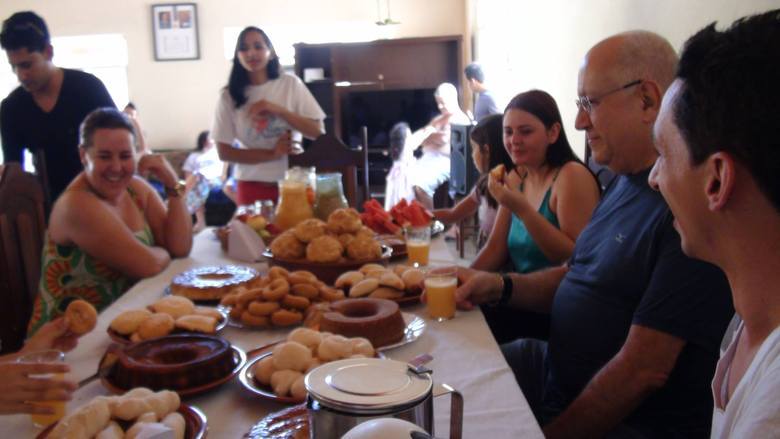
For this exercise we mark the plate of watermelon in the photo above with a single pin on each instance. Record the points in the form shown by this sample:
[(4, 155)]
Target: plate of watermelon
[(403, 214)]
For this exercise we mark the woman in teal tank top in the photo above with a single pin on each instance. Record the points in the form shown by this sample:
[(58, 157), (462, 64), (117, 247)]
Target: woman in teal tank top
[(545, 201), (109, 227)]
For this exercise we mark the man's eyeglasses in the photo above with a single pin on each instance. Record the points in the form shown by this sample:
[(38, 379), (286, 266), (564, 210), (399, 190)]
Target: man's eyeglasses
[(586, 103)]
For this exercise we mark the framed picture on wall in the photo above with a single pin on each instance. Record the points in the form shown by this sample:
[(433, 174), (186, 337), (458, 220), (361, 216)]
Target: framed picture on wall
[(175, 28)]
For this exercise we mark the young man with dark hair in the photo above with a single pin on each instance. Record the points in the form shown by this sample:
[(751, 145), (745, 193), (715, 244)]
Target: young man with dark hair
[(485, 105), (43, 114), (719, 155)]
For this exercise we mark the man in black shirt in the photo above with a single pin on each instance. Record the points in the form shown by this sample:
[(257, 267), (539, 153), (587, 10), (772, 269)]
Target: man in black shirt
[(43, 114), (635, 324)]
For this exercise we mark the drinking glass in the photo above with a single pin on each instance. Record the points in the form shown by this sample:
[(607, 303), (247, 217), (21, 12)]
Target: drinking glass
[(418, 245), (440, 286), (47, 356)]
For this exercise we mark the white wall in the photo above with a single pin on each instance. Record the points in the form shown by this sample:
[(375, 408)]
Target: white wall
[(176, 99), (533, 44)]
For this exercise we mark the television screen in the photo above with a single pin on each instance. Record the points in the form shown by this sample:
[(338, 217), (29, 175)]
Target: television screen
[(380, 110)]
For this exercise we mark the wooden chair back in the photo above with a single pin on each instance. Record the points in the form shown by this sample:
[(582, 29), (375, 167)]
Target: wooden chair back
[(22, 228), (329, 154)]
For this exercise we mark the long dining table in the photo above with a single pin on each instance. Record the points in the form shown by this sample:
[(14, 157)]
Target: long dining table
[(465, 356)]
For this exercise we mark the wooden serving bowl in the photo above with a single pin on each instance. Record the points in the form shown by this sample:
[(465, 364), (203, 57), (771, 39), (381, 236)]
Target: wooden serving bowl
[(327, 272)]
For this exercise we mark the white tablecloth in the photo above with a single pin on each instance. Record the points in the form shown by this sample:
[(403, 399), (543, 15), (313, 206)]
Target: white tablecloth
[(465, 356)]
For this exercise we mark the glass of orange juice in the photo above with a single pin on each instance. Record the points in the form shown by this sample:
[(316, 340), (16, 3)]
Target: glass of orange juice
[(47, 356), (440, 286), (418, 245)]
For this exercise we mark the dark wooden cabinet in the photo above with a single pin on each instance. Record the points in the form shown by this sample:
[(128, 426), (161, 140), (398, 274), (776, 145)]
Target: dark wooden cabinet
[(377, 84)]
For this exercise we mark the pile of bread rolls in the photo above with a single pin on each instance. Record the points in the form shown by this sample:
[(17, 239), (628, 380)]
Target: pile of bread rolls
[(143, 411), (165, 315), (376, 281), (343, 237), (279, 299), (304, 350)]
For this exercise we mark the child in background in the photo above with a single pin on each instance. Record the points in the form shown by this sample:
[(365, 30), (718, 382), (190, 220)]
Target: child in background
[(204, 173), (488, 151)]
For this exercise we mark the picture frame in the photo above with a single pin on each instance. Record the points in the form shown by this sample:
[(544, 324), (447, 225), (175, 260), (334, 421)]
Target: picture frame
[(175, 31)]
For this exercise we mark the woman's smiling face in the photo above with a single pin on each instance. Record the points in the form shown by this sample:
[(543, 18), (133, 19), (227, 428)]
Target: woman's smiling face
[(109, 162)]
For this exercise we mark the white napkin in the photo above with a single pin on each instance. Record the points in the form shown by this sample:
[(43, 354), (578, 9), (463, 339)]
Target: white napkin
[(244, 243)]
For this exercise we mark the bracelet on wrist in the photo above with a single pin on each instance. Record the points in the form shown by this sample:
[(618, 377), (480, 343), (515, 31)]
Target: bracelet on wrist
[(176, 191)]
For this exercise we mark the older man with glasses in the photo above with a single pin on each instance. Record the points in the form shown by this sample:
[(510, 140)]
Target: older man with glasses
[(635, 324), (43, 114)]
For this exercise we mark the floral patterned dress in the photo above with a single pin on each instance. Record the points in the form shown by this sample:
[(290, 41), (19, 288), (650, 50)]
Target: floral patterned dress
[(69, 273)]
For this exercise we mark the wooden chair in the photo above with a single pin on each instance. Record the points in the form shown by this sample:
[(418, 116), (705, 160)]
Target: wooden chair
[(329, 154), (22, 228)]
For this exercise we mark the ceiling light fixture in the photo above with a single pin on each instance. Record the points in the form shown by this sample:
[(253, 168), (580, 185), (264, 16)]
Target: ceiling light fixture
[(386, 21)]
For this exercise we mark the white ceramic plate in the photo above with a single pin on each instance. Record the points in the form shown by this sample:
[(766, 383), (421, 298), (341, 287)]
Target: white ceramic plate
[(415, 326)]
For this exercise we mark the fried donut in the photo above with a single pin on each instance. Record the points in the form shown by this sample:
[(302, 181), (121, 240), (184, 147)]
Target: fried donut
[(363, 248), (324, 249), (309, 229), (284, 317), (287, 246), (81, 316), (263, 308), (277, 272), (344, 221), (175, 306), (329, 294), (291, 355), (157, 325), (308, 291), (348, 279), (365, 232), (128, 322), (250, 319), (297, 302), (302, 276), (276, 290)]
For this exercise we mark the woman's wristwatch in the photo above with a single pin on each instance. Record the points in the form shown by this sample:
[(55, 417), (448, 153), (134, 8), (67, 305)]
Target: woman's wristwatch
[(176, 191)]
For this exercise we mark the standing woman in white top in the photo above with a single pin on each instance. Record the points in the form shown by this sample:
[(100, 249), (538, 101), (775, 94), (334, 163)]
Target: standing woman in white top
[(256, 114)]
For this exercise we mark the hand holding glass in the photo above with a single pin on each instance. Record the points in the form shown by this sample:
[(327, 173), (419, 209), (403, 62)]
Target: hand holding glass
[(47, 356)]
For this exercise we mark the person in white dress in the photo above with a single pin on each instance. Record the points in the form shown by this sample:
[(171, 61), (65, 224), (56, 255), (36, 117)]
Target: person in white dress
[(717, 138)]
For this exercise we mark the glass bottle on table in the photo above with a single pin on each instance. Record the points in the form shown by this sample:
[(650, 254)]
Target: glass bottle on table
[(293, 206), (330, 195)]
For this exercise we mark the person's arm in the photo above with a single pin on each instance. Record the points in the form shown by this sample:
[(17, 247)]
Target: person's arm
[(84, 220), (13, 149), (465, 207), (171, 224), (140, 140), (229, 153), (52, 335), (308, 127), (495, 252), (531, 291), (576, 197), (642, 366), (18, 388)]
